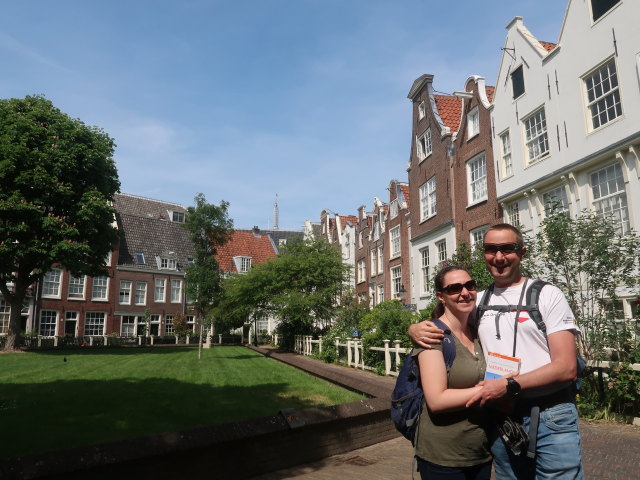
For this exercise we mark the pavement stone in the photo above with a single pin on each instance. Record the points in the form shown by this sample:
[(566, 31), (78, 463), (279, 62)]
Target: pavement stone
[(611, 451)]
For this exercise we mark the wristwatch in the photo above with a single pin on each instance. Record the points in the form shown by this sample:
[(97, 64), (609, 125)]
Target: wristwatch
[(513, 387)]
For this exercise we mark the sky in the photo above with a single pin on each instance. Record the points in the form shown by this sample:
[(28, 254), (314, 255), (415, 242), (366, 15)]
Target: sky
[(243, 100)]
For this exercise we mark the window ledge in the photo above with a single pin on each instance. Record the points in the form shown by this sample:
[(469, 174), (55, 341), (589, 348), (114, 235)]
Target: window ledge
[(427, 218), (476, 203), (537, 161), (75, 299), (397, 255)]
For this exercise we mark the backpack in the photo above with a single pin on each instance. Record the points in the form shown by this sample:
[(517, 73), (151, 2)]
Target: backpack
[(531, 307), (406, 399)]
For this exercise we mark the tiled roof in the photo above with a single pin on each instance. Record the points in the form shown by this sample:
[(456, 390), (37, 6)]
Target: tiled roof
[(145, 207), (490, 93), (405, 193), (348, 218), (548, 46), (151, 237), (450, 109), (258, 246)]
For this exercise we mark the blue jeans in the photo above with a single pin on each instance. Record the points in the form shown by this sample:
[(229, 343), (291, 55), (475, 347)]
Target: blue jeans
[(558, 454), (431, 471)]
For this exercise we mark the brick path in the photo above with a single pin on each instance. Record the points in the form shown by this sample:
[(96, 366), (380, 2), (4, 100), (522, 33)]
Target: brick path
[(610, 451)]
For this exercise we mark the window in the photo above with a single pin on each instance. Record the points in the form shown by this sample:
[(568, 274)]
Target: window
[(603, 94), (5, 316), (48, 322), (51, 283), (473, 123), (76, 287), (610, 197), (428, 199), (477, 236), (600, 7), (376, 229), (513, 213), (536, 136), (176, 291), (421, 110), (393, 209), (396, 280), (442, 250), (245, 264), (168, 263), (424, 146), (380, 293), (168, 325), (177, 217), (360, 239), (129, 324), (424, 270), (361, 271), (517, 82), (94, 323), (100, 288), (380, 257), (71, 323), (374, 261), (555, 201), (125, 292), (394, 234), (141, 293), (477, 177), (506, 166), (191, 322), (158, 295), (140, 258)]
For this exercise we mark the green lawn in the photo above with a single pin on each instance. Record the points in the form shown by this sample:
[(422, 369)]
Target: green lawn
[(101, 395)]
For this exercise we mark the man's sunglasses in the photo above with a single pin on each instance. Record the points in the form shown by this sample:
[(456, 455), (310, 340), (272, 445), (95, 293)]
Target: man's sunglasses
[(454, 288), (505, 248)]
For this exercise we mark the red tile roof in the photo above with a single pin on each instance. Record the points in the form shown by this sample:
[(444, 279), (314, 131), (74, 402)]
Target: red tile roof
[(490, 93), (548, 46), (449, 108), (348, 218), (405, 192), (245, 244)]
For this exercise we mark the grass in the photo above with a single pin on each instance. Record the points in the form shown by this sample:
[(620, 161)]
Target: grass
[(56, 399)]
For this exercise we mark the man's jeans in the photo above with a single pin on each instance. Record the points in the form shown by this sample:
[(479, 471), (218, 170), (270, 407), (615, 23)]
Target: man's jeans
[(558, 454)]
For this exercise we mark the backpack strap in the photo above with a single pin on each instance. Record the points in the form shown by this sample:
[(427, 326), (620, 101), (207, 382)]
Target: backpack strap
[(448, 344), (484, 306), (533, 297)]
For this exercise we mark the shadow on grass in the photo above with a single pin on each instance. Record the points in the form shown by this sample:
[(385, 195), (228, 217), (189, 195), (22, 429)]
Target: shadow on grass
[(65, 413)]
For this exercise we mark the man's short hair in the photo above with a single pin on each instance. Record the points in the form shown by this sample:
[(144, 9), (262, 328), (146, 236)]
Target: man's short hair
[(506, 226)]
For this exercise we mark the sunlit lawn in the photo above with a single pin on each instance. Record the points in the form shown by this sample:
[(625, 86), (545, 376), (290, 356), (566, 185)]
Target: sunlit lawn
[(102, 395)]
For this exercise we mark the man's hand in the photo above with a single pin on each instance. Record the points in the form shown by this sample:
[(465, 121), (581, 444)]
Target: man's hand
[(492, 390), (424, 333)]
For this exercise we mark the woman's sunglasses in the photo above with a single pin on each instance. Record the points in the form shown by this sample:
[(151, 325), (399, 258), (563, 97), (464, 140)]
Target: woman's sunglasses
[(454, 288)]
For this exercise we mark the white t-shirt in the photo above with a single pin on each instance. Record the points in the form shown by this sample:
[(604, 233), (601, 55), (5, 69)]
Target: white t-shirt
[(531, 345)]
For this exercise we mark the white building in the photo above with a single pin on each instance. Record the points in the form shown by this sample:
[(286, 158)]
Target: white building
[(566, 117)]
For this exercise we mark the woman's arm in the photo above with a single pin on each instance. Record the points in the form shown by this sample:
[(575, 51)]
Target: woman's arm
[(424, 333), (433, 377)]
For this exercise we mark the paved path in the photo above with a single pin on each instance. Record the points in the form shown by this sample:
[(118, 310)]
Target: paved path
[(610, 451)]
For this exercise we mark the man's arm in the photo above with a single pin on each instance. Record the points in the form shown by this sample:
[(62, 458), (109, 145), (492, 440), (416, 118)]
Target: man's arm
[(424, 333), (561, 369)]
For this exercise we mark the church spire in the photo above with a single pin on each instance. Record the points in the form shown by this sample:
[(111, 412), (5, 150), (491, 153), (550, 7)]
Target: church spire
[(276, 214)]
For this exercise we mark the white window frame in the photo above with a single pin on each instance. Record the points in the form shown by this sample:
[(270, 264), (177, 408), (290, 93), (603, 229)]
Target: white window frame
[(477, 179), (5, 316), (428, 205), (140, 297), (77, 285), (50, 327), (393, 208), (425, 270), (374, 261), (380, 259), (168, 263), (362, 271), (536, 137), (602, 95), (124, 294), (396, 280), (168, 324), (176, 290), (441, 246), (556, 197), (422, 111), (160, 290), (604, 13), (394, 242), (380, 293), (94, 323), (424, 145), (611, 204), (513, 213), (476, 236), (98, 288), (52, 283), (473, 123), (131, 329), (506, 162)]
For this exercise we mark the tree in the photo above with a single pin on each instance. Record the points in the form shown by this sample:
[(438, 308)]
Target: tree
[(210, 228), (57, 182), (301, 286)]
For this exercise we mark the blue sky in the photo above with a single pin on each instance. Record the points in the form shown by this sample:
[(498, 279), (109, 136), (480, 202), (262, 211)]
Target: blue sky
[(242, 100)]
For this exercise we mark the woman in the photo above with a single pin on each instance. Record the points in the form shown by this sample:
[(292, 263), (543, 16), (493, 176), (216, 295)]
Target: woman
[(452, 440)]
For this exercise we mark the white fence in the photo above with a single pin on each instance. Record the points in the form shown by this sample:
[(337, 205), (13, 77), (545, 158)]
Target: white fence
[(350, 351), (40, 341)]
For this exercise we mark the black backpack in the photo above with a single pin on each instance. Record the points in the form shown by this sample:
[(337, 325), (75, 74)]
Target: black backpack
[(531, 307), (406, 399)]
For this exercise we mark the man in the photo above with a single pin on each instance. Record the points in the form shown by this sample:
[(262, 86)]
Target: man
[(547, 365)]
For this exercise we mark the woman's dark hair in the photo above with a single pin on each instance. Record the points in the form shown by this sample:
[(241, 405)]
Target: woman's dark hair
[(438, 283)]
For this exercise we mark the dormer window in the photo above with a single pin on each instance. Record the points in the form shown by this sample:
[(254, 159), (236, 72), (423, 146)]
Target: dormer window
[(177, 217), (140, 258), (167, 261), (243, 264)]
